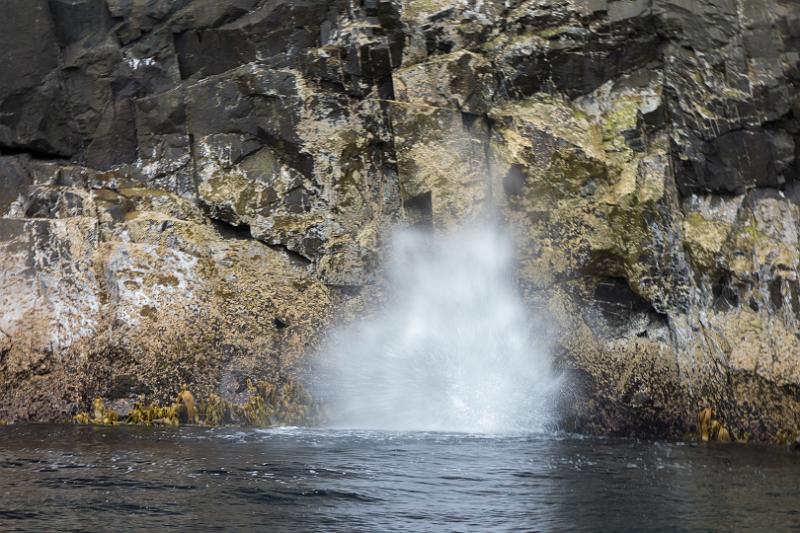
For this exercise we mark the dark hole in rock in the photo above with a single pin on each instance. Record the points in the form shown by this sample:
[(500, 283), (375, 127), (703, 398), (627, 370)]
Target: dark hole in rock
[(775, 293), (125, 385), (617, 303), (725, 296), (514, 180), (794, 289), (469, 119), (232, 231), (34, 152), (419, 210), (386, 89), (280, 324)]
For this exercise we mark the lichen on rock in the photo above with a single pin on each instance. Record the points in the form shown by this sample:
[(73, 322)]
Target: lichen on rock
[(196, 192)]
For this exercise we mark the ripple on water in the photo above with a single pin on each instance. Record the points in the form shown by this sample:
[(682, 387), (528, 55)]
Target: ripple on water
[(354, 480)]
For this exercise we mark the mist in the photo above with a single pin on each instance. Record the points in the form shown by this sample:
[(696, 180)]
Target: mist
[(453, 349)]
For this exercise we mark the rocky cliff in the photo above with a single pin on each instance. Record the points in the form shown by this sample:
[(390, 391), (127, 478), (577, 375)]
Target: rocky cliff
[(192, 190)]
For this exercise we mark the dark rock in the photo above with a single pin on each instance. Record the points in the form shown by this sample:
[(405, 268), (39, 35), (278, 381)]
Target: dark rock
[(739, 160), (750, 83), (576, 60), (209, 52), (48, 203), (15, 180), (29, 46), (114, 141), (33, 108), (83, 21)]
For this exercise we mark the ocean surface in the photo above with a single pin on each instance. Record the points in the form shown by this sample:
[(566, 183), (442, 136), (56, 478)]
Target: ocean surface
[(191, 479)]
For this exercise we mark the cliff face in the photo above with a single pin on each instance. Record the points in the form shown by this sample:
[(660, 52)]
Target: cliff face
[(191, 190)]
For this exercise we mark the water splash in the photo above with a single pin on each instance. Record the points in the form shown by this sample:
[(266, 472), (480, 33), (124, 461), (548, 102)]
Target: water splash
[(452, 350)]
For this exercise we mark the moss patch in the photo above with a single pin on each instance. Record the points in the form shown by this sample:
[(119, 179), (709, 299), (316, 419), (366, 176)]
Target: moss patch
[(704, 240)]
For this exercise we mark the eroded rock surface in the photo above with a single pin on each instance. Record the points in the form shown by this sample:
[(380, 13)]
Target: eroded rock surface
[(191, 191)]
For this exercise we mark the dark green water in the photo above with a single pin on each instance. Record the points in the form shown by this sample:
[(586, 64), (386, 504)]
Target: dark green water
[(113, 479)]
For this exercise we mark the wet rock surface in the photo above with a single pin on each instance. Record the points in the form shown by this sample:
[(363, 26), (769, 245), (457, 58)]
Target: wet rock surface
[(191, 191)]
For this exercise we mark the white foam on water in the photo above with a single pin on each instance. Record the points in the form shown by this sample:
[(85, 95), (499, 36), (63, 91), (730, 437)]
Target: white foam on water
[(453, 349)]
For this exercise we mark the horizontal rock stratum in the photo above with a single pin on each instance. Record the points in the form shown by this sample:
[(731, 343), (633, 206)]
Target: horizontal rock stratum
[(191, 191)]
